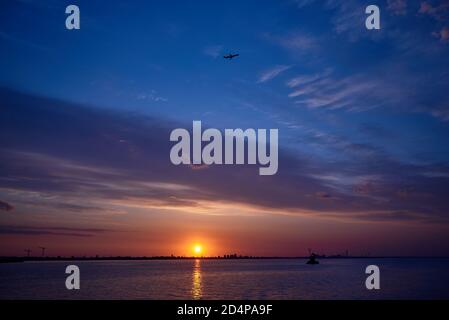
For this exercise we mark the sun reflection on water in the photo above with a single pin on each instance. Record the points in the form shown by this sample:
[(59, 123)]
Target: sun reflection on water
[(196, 280)]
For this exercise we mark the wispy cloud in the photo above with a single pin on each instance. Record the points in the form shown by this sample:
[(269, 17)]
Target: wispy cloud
[(272, 73), (353, 93), (438, 11), (107, 171), (4, 206), (443, 34), (213, 51), (298, 41), (52, 231), (442, 114), (308, 78), (397, 7), (151, 96), (347, 15)]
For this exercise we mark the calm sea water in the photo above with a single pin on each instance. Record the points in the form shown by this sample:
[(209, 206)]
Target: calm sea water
[(228, 279)]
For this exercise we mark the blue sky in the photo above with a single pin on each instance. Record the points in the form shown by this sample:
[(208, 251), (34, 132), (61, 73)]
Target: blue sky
[(363, 115), (164, 58)]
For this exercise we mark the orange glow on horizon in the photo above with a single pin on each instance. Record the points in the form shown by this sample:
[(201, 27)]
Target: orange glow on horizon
[(197, 250)]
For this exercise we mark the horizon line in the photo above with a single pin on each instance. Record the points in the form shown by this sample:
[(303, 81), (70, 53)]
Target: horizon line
[(226, 257)]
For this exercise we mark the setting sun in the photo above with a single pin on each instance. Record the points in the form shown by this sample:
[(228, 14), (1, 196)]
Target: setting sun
[(197, 249)]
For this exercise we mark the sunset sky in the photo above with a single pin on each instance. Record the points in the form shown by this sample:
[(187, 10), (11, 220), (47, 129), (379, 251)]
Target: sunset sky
[(86, 115)]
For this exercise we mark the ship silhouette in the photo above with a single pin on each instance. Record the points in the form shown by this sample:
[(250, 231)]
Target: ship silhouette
[(312, 259)]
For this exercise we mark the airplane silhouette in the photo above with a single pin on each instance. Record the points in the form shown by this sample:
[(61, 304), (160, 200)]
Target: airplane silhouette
[(230, 56)]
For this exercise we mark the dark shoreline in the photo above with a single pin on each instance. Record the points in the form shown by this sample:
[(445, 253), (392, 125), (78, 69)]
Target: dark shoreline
[(118, 258)]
